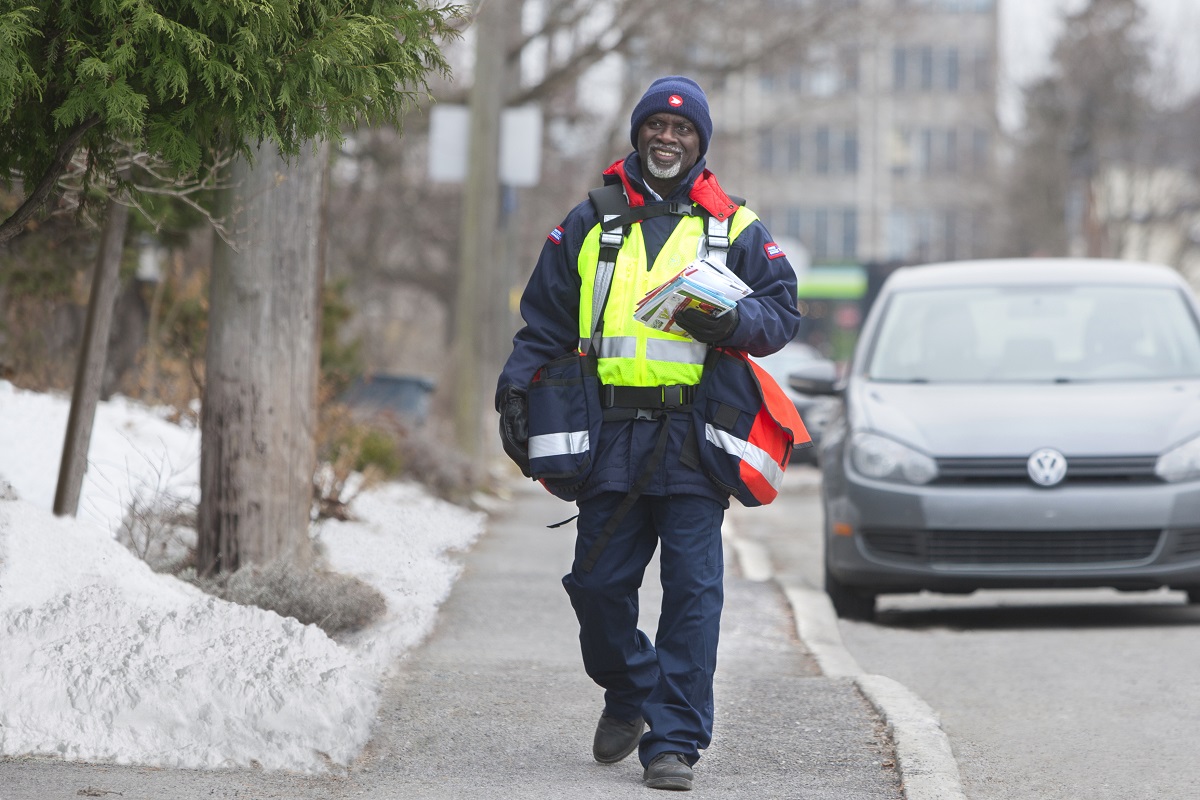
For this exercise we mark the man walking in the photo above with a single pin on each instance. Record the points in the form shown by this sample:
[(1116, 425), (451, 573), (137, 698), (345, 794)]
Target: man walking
[(642, 490)]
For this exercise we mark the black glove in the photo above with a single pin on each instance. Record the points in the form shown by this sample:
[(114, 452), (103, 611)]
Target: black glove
[(707, 328), (514, 426)]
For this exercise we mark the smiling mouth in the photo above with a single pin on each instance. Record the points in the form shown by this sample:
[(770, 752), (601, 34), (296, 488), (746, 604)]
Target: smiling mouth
[(665, 155)]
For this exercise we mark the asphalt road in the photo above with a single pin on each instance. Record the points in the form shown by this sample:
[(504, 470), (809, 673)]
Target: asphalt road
[(1050, 695)]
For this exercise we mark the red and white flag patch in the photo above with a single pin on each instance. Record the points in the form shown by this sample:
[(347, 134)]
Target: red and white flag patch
[(556, 235), (773, 250)]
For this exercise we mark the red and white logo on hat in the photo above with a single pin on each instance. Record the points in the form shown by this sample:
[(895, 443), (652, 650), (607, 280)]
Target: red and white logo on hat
[(675, 100)]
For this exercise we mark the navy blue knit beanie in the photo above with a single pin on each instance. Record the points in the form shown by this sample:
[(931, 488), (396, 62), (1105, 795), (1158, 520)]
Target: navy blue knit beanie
[(674, 94)]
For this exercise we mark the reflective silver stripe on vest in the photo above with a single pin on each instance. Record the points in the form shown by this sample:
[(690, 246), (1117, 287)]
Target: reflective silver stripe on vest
[(674, 351), (760, 460), (617, 347), (558, 444)]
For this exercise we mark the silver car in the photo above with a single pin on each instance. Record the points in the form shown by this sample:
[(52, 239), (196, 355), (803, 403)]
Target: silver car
[(813, 410), (1016, 423)]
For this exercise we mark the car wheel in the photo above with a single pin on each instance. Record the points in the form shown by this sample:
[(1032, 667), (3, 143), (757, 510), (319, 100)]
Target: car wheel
[(849, 603)]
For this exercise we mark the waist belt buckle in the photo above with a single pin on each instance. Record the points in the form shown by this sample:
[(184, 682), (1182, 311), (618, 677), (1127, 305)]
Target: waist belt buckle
[(672, 396)]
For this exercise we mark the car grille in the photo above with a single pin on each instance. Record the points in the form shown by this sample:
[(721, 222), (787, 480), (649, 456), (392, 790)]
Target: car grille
[(1013, 548), (1080, 470)]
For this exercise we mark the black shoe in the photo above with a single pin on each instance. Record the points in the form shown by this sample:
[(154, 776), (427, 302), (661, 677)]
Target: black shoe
[(616, 739), (669, 771)]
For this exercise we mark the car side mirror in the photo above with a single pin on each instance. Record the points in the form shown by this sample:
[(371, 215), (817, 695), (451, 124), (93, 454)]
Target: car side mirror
[(819, 377)]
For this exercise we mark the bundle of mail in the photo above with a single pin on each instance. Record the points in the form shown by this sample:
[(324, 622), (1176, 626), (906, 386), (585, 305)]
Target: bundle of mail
[(705, 283)]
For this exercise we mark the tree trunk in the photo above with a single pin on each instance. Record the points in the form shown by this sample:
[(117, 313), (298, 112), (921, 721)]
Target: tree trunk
[(258, 420)]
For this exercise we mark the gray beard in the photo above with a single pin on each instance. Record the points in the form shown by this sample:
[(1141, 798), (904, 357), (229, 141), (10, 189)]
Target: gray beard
[(663, 174)]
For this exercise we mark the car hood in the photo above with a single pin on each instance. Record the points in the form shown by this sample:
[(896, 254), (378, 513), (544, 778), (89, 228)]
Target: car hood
[(1142, 418)]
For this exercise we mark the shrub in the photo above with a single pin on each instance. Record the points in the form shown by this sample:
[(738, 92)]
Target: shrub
[(334, 602), (161, 531)]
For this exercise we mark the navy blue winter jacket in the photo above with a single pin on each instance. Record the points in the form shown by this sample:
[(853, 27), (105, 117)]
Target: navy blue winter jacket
[(768, 320)]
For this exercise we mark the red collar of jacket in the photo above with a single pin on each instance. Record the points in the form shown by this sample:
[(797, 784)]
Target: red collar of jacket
[(705, 192)]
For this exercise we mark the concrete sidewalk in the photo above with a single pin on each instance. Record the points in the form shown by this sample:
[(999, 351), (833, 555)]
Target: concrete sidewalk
[(496, 705)]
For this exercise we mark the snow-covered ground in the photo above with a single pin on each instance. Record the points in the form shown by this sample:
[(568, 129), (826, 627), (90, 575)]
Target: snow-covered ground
[(101, 659)]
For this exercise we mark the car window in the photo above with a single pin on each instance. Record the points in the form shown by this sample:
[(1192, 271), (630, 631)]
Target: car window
[(1037, 333)]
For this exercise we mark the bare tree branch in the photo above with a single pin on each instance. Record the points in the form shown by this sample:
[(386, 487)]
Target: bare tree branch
[(46, 183)]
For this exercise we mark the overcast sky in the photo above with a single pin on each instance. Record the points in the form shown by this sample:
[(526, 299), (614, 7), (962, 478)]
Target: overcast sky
[(1030, 27)]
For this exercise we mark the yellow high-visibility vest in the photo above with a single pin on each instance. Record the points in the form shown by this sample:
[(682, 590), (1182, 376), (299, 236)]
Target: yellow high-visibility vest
[(630, 353)]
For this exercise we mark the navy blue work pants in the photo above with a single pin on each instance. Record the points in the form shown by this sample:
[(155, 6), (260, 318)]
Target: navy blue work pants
[(669, 682)]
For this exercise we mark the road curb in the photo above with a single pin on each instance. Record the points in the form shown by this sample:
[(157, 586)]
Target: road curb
[(924, 759)]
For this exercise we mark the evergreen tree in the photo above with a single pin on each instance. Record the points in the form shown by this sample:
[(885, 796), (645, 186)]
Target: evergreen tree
[(184, 79)]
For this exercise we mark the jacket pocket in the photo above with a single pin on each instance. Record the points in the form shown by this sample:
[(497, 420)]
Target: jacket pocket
[(564, 423)]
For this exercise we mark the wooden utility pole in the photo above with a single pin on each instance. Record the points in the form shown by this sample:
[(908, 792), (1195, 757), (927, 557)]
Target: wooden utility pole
[(89, 373), (480, 217)]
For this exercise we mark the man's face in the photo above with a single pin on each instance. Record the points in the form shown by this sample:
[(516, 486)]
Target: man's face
[(669, 146)]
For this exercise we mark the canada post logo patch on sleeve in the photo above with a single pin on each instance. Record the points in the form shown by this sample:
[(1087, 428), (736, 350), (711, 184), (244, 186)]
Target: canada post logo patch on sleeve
[(773, 250), (556, 235)]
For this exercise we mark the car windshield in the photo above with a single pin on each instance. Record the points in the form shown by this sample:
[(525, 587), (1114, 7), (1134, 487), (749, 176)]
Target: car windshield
[(1036, 333), (782, 362)]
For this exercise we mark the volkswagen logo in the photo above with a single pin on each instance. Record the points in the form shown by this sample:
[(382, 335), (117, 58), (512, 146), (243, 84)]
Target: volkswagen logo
[(1047, 467)]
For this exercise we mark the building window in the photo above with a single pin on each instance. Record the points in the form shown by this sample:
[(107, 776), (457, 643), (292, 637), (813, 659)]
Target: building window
[(829, 233), (950, 224), (796, 78), (928, 69), (950, 77), (795, 158), (899, 69), (820, 242), (793, 223), (925, 59), (900, 151), (766, 150), (899, 236), (924, 238), (850, 234), (822, 157), (981, 150), (981, 70), (848, 56), (923, 158), (925, 151), (850, 152), (916, 235)]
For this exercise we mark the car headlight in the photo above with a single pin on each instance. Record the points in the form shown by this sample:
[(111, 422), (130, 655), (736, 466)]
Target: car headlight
[(1180, 463), (884, 459)]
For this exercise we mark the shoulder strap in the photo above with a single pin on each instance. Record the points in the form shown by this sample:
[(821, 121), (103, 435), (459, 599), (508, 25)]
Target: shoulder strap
[(611, 205), (614, 209)]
